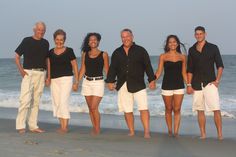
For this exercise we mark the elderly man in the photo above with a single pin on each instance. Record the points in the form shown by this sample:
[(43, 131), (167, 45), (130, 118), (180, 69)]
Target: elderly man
[(35, 62), (128, 64)]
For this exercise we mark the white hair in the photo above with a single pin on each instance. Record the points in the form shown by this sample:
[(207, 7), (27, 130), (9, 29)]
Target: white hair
[(39, 23)]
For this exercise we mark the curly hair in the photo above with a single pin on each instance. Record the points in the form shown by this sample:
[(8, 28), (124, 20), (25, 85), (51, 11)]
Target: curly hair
[(85, 45)]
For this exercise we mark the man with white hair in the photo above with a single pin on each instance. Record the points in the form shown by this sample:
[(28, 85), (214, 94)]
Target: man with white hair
[(35, 64)]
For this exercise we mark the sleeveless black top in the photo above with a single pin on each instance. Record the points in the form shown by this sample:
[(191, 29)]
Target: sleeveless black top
[(173, 78), (94, 66)]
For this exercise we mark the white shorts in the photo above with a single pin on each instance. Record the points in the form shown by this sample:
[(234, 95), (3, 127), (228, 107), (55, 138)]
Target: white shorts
[(126, 99), (93, 88), (172, 92), (206, 99)]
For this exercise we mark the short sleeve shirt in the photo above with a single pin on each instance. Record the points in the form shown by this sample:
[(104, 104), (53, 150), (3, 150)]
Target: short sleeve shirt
[(34, 52), (61, 64)]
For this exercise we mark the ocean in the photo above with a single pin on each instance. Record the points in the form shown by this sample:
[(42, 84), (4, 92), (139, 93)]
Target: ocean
[(10, 81)]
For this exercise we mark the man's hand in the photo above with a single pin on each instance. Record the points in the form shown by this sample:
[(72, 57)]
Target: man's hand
[(152, 85), (216, 83), (23, 73), (111, 86)]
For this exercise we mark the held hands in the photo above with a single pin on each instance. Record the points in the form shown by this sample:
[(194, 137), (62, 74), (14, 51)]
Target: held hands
[(111, 86), (189, 90), (75, 87), (48, 82), (152, 85)]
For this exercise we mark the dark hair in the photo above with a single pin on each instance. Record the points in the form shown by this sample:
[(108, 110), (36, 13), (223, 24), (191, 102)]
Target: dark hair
[(127, 30), (59, 32), (85, 45), (178, 49), (200, 28)]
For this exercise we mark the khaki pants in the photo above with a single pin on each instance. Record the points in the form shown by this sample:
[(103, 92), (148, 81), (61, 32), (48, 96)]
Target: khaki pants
[(31, 90)]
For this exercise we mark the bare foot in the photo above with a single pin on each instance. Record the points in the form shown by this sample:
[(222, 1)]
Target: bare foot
[(220, 138), (131, 134), (38, 130), (21, 131), (170, 133), (62, 131), (95, 133), (147, 135), (176, 135)]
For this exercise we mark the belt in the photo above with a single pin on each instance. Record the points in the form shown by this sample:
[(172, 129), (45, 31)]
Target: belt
[(37, 69), (93, 78)]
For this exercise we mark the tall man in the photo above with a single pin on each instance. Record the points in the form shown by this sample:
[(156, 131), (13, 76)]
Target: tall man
[(203, 82), (128, 64), (35, 51)]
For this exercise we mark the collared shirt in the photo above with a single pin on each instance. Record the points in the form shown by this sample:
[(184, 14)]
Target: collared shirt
[(201, 64), (130, 68)]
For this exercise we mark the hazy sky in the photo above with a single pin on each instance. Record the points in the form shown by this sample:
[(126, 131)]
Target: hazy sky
[(150, 20)]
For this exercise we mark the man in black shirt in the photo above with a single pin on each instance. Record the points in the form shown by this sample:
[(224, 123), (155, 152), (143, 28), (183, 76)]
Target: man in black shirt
[(203, 82), (128, 64), (35, 51)]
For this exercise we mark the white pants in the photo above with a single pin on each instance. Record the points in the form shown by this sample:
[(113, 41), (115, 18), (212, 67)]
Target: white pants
[(31, 90), (60, 91)]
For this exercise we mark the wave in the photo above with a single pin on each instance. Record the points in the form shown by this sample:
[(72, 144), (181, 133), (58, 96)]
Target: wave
[(108, 104)]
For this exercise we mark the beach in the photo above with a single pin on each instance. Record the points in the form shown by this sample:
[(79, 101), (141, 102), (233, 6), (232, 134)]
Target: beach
[(113, 141)]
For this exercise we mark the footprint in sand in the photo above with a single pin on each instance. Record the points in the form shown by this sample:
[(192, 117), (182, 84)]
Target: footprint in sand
[(30, 142)]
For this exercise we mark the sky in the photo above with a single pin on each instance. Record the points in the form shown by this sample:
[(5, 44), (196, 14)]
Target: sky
[(150, 20)]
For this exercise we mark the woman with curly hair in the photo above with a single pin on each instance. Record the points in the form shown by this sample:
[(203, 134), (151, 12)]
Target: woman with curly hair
[(93, 62)]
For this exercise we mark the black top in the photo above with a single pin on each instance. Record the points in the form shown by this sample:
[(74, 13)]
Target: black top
[(201, 64), (61, 64), (94, 66), (130, 68), (34, 52), (173, 78)]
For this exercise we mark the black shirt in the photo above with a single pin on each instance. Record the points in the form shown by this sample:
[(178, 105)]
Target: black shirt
[(61, 64), (201, 64), (94, 66), (130, 68), (34, 51), (173, 78)]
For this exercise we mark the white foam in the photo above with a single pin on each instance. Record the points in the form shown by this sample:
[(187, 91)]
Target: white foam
[(108, 104)]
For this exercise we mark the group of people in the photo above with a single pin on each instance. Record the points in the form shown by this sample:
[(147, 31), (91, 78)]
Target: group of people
[(58, 69)]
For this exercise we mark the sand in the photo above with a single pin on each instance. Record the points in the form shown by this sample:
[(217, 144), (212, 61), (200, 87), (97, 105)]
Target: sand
[(113, 141)]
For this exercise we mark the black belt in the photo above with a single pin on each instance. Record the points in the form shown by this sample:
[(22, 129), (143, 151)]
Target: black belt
[(93, 78), (37, 69)]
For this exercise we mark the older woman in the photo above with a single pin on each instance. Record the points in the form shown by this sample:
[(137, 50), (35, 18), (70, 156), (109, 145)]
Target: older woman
[(63, 66), (94, 61), (174, 65)]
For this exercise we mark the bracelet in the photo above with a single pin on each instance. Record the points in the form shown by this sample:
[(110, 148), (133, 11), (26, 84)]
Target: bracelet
[(217, 81), (189, 85)]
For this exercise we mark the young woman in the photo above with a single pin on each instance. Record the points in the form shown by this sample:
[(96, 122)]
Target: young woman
[(174, 65), (63, 65), (93, 62)]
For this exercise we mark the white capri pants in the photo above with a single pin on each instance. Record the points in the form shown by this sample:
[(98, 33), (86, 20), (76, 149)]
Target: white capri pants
[(60, 91)]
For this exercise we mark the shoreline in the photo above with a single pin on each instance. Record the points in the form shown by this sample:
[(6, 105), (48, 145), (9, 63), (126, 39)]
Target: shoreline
[(188, 126), (111, 143)]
